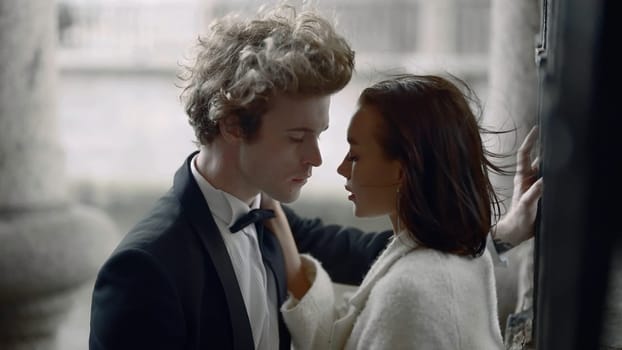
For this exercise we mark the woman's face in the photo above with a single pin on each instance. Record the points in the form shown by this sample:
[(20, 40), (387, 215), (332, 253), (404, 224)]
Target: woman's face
[(371, 178)]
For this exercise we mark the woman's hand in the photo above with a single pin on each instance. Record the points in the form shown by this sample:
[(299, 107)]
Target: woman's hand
[(518, 224), (279, 225), (297, 282)]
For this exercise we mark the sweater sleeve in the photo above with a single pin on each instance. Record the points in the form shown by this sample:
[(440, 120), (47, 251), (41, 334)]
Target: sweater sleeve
[(310, 319), (346, 253)]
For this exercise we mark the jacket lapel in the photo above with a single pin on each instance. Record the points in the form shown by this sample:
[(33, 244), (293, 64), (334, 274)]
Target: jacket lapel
[(273, 259), (196, 208), (274, 262)]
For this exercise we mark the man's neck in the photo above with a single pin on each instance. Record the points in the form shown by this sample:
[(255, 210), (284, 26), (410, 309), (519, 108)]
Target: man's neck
[(223, 175)]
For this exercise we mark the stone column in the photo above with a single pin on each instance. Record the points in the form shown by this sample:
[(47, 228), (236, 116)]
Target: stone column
[(436, 32), (48, 246), (512, 103), (512, 86)]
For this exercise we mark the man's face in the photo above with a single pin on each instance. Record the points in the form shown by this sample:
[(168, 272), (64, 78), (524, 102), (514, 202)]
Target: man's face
[(279, 160)]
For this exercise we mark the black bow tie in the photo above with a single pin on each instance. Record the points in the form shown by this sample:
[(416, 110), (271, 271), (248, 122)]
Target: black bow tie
[(251, 217)]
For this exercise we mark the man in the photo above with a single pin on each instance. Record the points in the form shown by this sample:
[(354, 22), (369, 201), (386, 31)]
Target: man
[(191, 275)]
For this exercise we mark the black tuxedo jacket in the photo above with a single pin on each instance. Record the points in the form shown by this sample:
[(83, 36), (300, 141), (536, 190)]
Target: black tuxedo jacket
[(170, 283)]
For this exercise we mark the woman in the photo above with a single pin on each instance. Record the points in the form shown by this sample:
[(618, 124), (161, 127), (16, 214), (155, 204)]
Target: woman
[(415, 155)]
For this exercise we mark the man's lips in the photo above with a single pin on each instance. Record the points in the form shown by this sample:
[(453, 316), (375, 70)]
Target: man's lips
[(300, 179), (303, 177)]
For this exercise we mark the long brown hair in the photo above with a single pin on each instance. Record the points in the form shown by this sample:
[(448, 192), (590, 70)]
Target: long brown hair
[(445, 195)]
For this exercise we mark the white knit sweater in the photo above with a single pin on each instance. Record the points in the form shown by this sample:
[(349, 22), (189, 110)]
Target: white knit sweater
[(412, 298)]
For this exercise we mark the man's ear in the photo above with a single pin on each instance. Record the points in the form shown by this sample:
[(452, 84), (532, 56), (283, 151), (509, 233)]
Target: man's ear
[(230, 129)]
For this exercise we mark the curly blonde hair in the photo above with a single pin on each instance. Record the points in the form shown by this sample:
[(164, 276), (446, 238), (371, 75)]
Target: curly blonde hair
[(241, 63)]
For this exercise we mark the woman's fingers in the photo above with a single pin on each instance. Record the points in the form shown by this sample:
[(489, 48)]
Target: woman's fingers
[(531, 196), (524, 151)]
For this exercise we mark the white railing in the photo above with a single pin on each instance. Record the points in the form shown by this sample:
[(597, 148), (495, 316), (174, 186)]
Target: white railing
[(137, 35), (125, 34)]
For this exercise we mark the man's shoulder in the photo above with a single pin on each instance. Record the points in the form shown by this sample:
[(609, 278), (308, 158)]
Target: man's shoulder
[(164, 230), (164, 241)]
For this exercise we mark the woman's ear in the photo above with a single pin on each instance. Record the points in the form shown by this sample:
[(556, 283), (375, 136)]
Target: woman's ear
[(400, 173), (230, 129)]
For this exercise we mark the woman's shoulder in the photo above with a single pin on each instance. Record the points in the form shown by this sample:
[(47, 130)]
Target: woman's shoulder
[(436, 297), (423, 259), (427, 270)]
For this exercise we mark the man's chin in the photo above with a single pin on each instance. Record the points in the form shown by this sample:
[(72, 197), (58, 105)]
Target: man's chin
[(287, 197)]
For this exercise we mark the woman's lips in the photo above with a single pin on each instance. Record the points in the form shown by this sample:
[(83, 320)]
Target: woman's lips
[(352, 196)]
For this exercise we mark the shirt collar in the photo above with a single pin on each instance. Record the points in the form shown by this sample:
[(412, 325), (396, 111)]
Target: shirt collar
[(223, 205)]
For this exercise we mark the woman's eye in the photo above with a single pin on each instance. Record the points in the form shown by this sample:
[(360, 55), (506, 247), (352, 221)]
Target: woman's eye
[(351, 158)]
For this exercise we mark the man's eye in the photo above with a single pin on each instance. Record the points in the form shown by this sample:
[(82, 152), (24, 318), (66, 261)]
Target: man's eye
[(297, 137), (351, 158)]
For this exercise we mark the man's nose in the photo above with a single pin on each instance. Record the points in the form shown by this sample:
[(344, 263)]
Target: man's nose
[(313, 155)]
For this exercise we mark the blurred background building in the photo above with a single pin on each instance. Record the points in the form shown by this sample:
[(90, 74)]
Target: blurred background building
[(122, 131), (122, 125), (118, 101), (92, 131)]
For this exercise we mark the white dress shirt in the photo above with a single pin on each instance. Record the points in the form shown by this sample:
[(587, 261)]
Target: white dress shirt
[(243, 248)]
